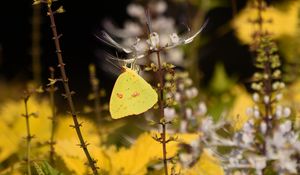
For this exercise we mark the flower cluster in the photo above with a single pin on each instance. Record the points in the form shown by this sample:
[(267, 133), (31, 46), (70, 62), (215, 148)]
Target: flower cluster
[(185, 108), (268, 142), (132, 36)]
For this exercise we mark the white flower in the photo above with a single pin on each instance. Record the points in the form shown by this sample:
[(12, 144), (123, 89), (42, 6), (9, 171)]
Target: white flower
[(194, 91), (188, 113), (255, 97), (160, 7), (278, 111), (202, 109), (135, 10), (183, 126), (133, 29), (271, 150), (266, 99), (263, 127), (164, 40), (188, 82), (233, 161), (207, 125), (286, 126), (287, 112), (281, 85), (278, 139), (140, 46), (169, 113), (249, 111), (258, 162), (186, 159), (296, 145), (256, 113), (191, 93), (153, 41), (247, 138), (163, 25), (175, 56), (177, 96), (285, 162), (180, 86), (174, 38), (279, 96), (248, 126), (275, 85)]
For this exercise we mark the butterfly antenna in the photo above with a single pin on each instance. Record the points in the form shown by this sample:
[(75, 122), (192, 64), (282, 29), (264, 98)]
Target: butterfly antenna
[(114, 64), (186, 26), (104, 37), (118, 58), (188, 40), (134, 61), (148, 21)]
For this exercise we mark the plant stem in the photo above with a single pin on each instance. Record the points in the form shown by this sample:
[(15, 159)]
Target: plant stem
[(29, 137), (51, 91), (267, 83), (68, 93), (95, 88), (161, 112), (260, 18), (234, 7), (36, 49)]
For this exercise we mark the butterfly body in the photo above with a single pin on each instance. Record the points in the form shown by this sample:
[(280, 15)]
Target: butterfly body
[(131, 95)]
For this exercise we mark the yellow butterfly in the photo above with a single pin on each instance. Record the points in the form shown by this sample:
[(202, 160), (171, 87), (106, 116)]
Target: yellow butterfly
[(131, 95)]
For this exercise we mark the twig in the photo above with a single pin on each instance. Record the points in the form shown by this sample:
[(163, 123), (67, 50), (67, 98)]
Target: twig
[(29, 136), (36, 49), (68, 93), (234, 7), (95, 88), (161, 112), (51, 91)]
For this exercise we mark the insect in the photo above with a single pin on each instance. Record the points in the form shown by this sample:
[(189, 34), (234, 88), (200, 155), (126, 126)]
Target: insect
[(131, 95)]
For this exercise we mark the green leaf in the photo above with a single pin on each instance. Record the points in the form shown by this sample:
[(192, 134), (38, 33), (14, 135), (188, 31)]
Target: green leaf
[(60, 10), (220, 81), (36, 2), (38, 168), (52, 81), (44, 168)]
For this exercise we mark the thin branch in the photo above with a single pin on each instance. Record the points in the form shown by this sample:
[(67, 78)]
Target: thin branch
[(68, 93), (95, 88), (29, 136), (51, 91), (161, 112)]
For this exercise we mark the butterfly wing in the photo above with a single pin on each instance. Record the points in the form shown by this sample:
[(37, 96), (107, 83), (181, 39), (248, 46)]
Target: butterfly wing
[(131, 95)]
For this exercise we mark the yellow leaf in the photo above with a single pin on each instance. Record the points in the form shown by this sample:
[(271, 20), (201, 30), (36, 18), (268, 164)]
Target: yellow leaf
[(52, 81), (9, 141), (60, 10), (206, 165), (134, 160), (36, 2), (283, 22), (237, 115), (68, 149), (15, 125)]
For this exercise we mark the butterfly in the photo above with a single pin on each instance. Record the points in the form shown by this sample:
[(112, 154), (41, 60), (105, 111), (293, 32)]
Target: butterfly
[(131, 95)]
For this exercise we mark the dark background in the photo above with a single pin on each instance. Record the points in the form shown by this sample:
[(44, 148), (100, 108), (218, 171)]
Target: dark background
[(78, 26)]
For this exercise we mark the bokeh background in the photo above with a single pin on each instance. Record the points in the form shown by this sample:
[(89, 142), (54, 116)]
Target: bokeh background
[(83, 20)]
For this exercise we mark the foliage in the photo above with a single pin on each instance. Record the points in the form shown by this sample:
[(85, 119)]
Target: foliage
[(225, 128)]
